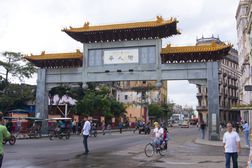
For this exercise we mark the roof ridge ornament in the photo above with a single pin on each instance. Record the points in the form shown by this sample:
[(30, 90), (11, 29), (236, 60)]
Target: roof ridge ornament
[(43, 53), (168, 46), (86, 25), (159, 19)]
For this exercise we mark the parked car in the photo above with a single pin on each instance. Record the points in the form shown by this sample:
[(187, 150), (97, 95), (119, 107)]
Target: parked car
[(185, 124)]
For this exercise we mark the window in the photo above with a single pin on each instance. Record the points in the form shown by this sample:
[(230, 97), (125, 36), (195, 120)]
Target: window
[(126, 97)]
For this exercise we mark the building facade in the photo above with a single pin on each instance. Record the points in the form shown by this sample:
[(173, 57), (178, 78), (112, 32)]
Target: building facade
[(243, 26), (138, 94), (228, 85)]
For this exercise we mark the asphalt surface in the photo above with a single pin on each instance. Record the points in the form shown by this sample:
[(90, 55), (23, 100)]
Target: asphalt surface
[(115, 150)]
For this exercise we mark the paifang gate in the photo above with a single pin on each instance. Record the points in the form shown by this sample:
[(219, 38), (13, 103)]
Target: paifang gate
[(131, 52)]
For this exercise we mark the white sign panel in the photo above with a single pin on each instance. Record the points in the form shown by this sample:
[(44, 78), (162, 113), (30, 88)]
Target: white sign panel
[(121, 56), (213, 122)]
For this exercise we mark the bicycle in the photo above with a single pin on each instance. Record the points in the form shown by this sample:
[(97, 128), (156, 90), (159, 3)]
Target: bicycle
[(152, 148), (11, 141), (59, 133)]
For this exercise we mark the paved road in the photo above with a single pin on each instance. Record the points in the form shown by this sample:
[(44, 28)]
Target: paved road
[(117, 150)]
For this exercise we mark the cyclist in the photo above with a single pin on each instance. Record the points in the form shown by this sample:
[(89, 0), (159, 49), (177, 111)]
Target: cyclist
[(166, 137), (158, 133)]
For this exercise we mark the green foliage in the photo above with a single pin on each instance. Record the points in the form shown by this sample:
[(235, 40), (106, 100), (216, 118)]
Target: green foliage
[(117, 108), (76, 93), (16, 65), (96, 101), (155, 110), (92, 101), (160, 111), (16, 96), (168, 109)]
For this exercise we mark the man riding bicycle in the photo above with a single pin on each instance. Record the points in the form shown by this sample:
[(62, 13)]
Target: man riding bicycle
[(158, 133)]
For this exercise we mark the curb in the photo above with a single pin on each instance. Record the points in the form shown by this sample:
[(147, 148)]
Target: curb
[(213, 143), (98, 132)]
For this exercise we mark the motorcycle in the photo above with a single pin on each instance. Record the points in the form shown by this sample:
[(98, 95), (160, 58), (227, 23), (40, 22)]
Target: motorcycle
[(145, 129)]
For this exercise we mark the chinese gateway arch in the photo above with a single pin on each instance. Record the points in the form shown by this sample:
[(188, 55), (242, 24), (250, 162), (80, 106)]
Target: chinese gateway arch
[(131, 52)]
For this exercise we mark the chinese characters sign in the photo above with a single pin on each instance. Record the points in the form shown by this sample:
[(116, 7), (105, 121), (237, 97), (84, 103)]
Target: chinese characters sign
[(121, 56)]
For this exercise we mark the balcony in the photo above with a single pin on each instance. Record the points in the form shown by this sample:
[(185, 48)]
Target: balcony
[(201, 108), (200, 94), (224, 74)]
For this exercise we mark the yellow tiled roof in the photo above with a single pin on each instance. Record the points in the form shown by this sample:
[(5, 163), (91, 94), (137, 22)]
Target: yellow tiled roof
[(192, 49), (56, 56), (86, 27)]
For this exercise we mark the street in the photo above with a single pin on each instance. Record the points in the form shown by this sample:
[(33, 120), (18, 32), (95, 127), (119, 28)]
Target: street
[(116, 150)]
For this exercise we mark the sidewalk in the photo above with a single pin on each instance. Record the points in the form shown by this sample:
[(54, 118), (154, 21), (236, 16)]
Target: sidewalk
[(219, 143)]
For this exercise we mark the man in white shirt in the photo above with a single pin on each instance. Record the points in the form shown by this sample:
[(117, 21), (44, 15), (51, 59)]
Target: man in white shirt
[(158, 133), (232, 147), (86, 128)]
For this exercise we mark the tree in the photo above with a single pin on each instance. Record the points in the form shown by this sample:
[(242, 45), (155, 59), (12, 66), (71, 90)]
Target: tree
[(117, 108), (96, 101), (16, 96), (93, 102), (167, 111), (14, 64), (155, 110), (158, 111)]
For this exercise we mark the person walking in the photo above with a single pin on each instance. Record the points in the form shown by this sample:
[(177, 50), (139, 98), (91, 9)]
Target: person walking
[(245, 128), (103, 128), (74, 125), (231, 143), (86, 130), (202, 128), (109, 128), (4, 135), (120, 126)]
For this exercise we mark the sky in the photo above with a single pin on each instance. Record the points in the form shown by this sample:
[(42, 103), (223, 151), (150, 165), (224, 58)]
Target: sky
[(33, 26)]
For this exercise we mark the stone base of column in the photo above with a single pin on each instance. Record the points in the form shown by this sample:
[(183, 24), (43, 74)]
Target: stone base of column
[(214, 137), (44, 128)]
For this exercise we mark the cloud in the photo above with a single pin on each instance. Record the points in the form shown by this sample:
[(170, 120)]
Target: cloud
[(182, 93), (33, 26)]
